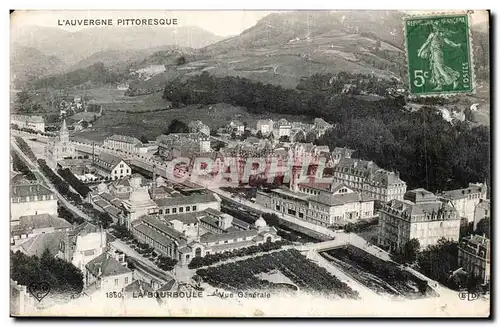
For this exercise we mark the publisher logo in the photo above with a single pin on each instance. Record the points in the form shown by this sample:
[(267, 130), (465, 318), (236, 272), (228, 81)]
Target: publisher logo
[(468, 296)]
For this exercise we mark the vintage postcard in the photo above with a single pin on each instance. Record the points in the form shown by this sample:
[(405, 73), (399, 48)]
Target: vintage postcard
[(250, 163)]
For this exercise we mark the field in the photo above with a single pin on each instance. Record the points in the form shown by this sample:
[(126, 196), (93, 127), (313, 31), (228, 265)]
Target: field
[(250, 274), (152, 124), (381, 276)]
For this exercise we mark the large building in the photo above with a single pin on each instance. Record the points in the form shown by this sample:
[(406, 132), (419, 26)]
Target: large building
[(111, 166), (325, 205), (189, 235), (481, 211), (60, 147), (366, 177), (185, 145), (125, 143), (31, 226), (107, 272), (197, 126), (466, 199), (36, 123), (474, 256), (419, 215), (82, 244), (28, 199)]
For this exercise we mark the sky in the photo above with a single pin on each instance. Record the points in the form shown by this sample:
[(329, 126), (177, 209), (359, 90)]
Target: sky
[(221, 22)]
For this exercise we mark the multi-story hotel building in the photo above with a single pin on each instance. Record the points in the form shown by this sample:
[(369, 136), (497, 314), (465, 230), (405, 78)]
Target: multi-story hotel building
[(419, 215), (466, 199), (319, 204), (369, 179), (28, 199), (474, 256), (125, 143), (36, 123)]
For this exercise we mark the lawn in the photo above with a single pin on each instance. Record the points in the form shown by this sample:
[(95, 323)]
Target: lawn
[(246, 275), (152, 124)]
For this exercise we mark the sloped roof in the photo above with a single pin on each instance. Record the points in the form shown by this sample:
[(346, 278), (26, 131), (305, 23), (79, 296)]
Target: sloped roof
[(109, 266), (463, 192), (210, 237), (186, 218), (36, 245), (107, 161), (186, 200), (339, 199), (125, 139), (29, 223)]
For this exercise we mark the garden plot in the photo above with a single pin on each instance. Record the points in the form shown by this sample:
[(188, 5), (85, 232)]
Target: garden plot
[(246, 275), (383, 277)]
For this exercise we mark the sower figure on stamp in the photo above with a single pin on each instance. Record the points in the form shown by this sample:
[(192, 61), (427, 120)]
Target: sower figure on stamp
[(432, 49)]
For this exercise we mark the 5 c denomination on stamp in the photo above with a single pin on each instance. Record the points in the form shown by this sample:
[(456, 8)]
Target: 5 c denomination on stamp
[(439, 55)]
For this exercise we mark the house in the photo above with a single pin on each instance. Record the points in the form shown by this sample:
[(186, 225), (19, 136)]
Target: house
[(236, 126), (185, 145), (282, 128), (338, 154), (464, 200), (197, 126), (36, 245), (420, 215), (31, 226), (111, 166), (474, 256), (321, 126), (265, 126), (36, 123), (31, 198), (107, 272), (125, 144)]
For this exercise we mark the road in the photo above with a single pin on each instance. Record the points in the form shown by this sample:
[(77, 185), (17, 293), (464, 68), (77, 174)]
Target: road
[(44, 180), (141, 262)]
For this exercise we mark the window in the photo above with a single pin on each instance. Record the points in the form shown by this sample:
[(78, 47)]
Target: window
[(121, 171), (116, 281), (160, 211), (174, 210), (126, 280), (226, 241), (167, 211), (194, 208), (188, 209), (181, 209), (128, 170)]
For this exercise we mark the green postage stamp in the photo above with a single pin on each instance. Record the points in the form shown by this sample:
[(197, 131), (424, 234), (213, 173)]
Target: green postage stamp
[(439, 55)]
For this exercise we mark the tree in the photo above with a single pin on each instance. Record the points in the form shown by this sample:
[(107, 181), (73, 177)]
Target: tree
[(176, 126), (411, 249), (233, 135), (483, 227), (85, 124), (310, 137), (180, 61), (245, 135), (285, 138), (259, 134), (62, 276), (143, 139)]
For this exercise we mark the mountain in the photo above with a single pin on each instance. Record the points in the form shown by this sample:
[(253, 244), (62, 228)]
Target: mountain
[(76, 46), (27, 64), (89, 77)]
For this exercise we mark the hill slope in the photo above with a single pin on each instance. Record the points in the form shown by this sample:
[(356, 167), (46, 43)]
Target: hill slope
[(27, 64), (76, 46)]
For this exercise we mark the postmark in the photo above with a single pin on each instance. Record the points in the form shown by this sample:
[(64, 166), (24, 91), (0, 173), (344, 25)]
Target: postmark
[(439, 55)]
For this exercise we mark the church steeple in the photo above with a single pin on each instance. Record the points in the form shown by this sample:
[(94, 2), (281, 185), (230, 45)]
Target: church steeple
[(63, 132)]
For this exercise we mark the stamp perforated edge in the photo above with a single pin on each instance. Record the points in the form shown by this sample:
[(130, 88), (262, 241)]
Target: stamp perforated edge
[(471, 53)]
